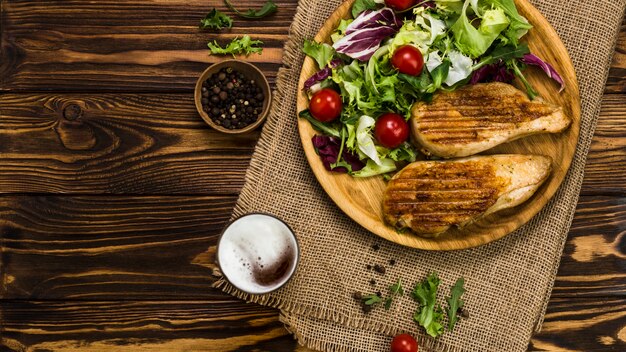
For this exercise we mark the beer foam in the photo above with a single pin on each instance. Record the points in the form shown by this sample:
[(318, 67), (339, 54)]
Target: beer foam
[(257, 253)]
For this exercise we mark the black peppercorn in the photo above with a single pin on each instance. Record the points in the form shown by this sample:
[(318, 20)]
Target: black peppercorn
[(230, 96)]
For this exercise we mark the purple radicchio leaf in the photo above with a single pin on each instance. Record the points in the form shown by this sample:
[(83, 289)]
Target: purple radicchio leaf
[(321, 74), (496, 72), (328, 149), (366, 32), (530, 59)]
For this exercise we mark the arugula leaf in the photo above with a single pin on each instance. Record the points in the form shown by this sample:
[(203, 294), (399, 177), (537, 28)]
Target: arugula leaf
[(429, 314), (405, 152), (245, 46), (371, 299), (532, 93), (439, 75), (394, 291), (504, 53), (322, 53), (340, 162), (320, 126), (362, 5), (455, 302), (216, 20), (268, 8)]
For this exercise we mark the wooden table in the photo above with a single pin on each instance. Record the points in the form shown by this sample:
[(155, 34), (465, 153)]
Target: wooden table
[(113, 190)]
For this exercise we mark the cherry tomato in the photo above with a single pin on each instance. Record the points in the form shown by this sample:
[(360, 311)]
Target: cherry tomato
[(391, 130), (403, 343), (408, 60), (400, 5), (325, 105)]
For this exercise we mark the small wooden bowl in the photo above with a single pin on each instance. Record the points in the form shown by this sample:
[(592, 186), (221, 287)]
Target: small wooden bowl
[(248, 70)]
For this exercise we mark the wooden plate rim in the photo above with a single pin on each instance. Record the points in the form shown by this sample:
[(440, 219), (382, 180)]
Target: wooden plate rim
[(417, 241)]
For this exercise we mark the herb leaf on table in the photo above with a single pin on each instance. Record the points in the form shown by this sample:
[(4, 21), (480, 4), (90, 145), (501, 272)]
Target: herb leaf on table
[(455, 302), (429, 315), (216, 20), (268, 8), (243, 45)]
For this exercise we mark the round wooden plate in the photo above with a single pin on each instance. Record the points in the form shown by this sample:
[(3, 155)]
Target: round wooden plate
[(361, 199)]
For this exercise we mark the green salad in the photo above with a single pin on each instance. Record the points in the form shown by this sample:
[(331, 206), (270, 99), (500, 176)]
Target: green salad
[(393, 54)]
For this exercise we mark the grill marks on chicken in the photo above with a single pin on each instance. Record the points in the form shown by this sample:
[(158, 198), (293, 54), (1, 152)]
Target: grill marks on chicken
[(429, 197), (479, 117)]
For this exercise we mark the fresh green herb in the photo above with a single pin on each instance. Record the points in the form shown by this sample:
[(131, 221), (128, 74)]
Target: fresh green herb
[(372, 299), (268, 8), (429, 314), (532, 93), (394, 291), (216, 20), (320, 126), (339, 162), (505, 53), (245, 46), (362, 5), (439, 74), (455, 302), (322, 53)]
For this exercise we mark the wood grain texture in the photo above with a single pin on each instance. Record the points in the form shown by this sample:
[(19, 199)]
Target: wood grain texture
[(116, 143), (145, 259), (616, 82), (361, 199), (148, 143), (162, 247), (225, 325), (123, 45), (220, 325)]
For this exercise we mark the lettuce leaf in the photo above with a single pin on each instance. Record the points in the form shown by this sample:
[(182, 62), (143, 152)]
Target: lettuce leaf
[(519, 25), (362, 5), (475, 42), (373, 169), (322, 53)]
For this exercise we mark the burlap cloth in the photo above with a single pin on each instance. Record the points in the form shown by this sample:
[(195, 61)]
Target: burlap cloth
[(508, 282)]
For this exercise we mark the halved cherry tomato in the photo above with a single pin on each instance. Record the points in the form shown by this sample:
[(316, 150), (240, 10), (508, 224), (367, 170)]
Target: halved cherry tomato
[(408, 60), (391, 130), (403, 343), (400, 5), (325, 105)]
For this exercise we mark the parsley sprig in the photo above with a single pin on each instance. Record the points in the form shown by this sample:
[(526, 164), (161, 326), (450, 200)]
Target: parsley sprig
[(244, 45)]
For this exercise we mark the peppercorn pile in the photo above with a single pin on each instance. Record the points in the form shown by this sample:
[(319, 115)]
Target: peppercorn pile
[(232, 100)]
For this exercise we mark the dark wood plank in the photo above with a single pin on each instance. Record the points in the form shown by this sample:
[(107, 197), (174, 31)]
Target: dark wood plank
[(123, 45), (222, 325), (616, 82), (226, 325), (594, 258), (135, 46), (109, 247), (573, 325), (98, 247), (606, 161), (157, 143), (154, 143)]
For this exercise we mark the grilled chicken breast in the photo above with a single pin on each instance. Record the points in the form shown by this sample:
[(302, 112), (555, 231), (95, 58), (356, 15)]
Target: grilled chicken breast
[(479, 117), (428, 197)]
